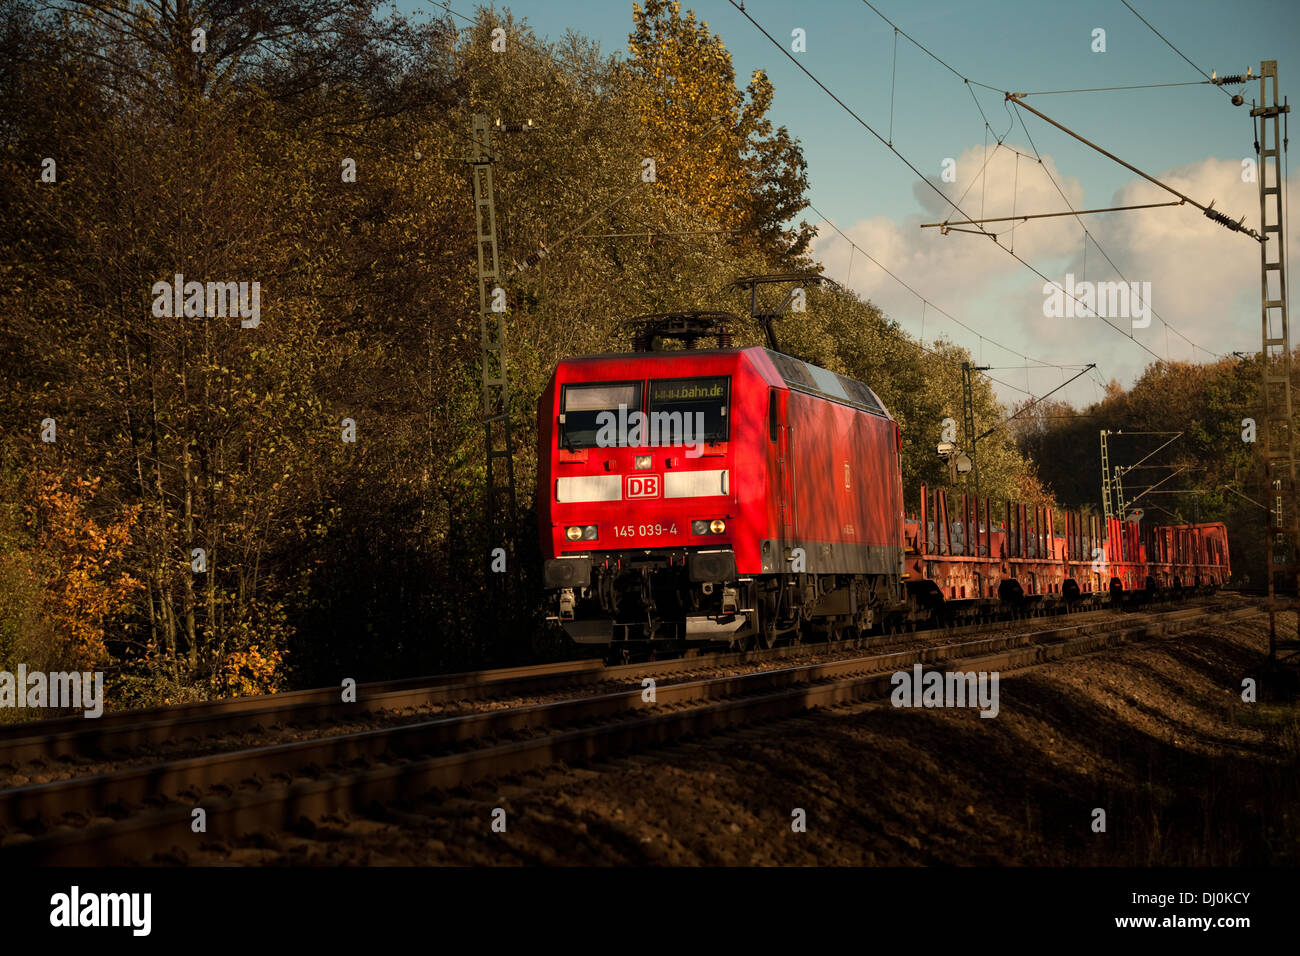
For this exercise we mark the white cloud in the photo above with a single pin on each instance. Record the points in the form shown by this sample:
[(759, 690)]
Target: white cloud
[(1204, 278)]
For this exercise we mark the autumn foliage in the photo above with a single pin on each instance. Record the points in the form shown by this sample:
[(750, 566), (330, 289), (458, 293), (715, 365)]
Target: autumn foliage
[(200, 527), (81, 564)]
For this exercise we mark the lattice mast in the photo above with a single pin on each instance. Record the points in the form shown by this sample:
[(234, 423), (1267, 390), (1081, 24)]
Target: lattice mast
[(1278, 424), (1105, 476), (499, 493)]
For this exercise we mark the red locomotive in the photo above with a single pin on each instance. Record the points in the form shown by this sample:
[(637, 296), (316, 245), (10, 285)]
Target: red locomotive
[(740, 495)]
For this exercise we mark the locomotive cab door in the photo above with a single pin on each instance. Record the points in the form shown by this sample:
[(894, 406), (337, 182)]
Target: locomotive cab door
[(780, 468)]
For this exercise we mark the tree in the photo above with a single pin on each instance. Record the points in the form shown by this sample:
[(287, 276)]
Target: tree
[(240, 542), (718, 150)]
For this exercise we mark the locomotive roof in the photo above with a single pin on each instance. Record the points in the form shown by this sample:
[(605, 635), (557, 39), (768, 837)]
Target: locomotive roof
[(806, 377), (795, 373)]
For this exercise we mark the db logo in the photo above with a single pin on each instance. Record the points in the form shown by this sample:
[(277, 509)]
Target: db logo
[(643, 486)]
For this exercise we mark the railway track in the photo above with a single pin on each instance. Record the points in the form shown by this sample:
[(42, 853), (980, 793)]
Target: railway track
[(204, 723), (142, 812)]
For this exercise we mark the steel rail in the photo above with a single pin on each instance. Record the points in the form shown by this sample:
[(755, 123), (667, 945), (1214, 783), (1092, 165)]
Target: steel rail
[(804, 685), (124, 731), (40, 741)]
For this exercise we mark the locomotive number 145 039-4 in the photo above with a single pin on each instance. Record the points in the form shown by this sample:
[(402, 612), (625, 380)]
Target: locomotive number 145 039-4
[(644, 530)]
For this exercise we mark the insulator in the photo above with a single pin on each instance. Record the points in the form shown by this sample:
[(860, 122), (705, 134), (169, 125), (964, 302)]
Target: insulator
[(724, 339), (1232, 80), (1224, 221)]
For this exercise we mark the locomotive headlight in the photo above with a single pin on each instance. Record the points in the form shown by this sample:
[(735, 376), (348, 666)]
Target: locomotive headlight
[(717, 526), (642, 462), (589, 532), (573, 533)]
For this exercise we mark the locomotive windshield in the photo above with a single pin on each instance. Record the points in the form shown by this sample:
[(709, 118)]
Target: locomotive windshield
[(583, 404), (703, 399), (679, 411)]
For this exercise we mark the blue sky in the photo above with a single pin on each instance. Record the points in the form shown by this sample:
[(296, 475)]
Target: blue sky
[(1203, 279)]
